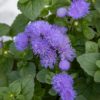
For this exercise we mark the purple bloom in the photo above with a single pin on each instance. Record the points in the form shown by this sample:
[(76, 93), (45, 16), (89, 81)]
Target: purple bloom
[(61, 12), (47, 41), (64, 65), (37, 28), (21, 41), (40, 46), (78, 9), (49, 59), (63, 85)]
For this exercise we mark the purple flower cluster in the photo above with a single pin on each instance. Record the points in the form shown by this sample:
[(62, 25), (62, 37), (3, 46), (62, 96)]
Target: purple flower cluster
[(48, 42), (63, 85), (77, 9)]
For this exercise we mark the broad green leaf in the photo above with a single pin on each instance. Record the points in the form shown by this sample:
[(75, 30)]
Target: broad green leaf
[(4, 29), (45, 76), (91, 47), (28, 69), (98, 63), (97, 76), (19, 24), (15, 87), (27, 87), (32, 9), (88, 62)]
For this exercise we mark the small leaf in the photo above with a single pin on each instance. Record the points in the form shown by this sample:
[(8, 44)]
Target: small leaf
[(97, 76), (80, 97)]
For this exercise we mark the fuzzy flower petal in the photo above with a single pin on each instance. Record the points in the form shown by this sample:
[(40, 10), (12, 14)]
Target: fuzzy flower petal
[(61, 12), (64, 65), (63, 85), (78, 9), (21, 41)]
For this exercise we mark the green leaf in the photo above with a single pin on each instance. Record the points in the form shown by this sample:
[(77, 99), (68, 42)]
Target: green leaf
[(19, 24), (6, 63), (23, 1), (98, 63), (97, 76), (20, 97), (80, 97), (97, 5), (29, 69), (12, 76), (89, 33), (45, 76), (99, 43), (3, 80), (15, 87), (52, 92), (4, 29), (91, 47), (28, 87), (88, 62), (32, 9)]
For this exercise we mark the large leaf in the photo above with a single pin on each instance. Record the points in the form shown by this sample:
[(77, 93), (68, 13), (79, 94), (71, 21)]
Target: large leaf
[(88, 62), (32, 8)]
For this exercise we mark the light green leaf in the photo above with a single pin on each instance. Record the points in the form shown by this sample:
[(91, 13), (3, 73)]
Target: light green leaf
[(98, 63), (91, 47), (80, 97), (15, 87), (88, 62), (97, 76), (52, 92), (28, 87), (45, 76)]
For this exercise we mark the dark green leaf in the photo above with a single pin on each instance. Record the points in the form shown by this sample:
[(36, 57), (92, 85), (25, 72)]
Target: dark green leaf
[(4, 29), (32, 9)]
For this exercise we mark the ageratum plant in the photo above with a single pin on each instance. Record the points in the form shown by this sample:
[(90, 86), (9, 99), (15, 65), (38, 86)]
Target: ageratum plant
[(53, 51)]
